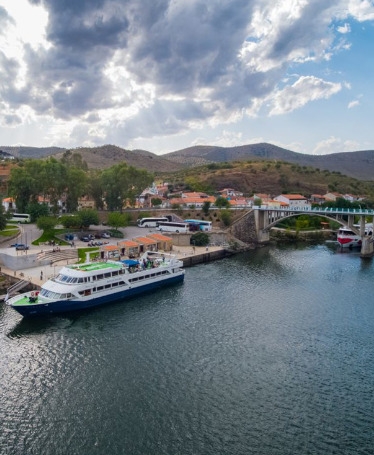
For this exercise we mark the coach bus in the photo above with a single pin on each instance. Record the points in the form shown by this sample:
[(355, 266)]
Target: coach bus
[(173, 226), (20, 218), (151, 221), (199, 225)]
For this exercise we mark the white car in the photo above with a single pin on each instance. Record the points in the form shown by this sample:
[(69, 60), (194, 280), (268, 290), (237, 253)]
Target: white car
[(105, 235)]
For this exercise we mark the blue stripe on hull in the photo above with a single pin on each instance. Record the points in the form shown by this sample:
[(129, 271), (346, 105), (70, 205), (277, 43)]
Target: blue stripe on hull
[(65, 306)]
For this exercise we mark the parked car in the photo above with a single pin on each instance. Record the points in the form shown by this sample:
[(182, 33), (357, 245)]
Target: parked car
[(21, 246), (105, 235), (85, 239)]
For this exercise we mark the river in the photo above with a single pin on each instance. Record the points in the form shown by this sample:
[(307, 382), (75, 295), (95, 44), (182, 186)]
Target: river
[(270, 352)]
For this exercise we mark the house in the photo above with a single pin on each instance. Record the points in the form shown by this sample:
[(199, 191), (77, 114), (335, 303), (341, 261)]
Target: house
[(128, 248), (146, 244), (352, 198), (294, 201), (332, 196), (317, 199), (191, 201), (163, 242), (239, 203), (85, 202), (9, 204), (230, 193)]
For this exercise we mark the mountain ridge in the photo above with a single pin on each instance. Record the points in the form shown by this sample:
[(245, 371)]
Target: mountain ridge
[(357, 164)]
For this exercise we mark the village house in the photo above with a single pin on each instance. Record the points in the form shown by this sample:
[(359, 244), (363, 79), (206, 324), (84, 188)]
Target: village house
[(229, 193), (332, 197), (191, 200), (294, 201), (9, 204), (317, 199)]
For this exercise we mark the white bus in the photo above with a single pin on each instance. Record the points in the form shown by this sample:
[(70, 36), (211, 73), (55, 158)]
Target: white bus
[(199, 225), (173, 226), (151, 221), (20, 218)]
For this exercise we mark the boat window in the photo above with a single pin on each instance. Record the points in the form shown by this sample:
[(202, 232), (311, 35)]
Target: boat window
[(114, 284), (107, 275), (107, 286), (100, 288), (51, 294)]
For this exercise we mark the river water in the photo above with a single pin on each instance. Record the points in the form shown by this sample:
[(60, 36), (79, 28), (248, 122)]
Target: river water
[(268, 352)]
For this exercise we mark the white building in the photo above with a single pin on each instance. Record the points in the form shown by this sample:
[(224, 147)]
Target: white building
[(294, 201)]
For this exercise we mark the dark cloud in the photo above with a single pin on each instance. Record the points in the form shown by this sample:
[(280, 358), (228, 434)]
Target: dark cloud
[(305, 32), (186, 50), (5, 19), (179, 47), (12, 120)]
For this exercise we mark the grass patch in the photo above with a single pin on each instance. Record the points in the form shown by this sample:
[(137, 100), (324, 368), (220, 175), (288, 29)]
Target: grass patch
[(50, 237), (94, 254)]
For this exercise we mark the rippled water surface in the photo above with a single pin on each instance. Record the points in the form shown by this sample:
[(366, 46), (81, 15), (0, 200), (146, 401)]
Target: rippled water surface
[(269, 352)]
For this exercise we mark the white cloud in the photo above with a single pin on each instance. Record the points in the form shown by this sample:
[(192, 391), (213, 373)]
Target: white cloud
[(303, 91), (354, 103), (346, 28), (334, 145)]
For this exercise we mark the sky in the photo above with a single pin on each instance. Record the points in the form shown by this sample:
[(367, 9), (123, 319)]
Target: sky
[(163, 75)]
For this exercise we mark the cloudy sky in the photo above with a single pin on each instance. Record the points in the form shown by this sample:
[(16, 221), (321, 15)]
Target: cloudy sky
[(162, 75)]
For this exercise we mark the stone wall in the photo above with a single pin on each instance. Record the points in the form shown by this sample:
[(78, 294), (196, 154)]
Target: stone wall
[(244, 229)]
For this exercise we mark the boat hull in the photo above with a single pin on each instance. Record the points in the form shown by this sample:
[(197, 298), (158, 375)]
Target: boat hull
[(67, 306), (346, 242)]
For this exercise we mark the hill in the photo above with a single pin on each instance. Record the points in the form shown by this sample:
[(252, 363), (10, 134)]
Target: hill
[(30, 152), (270, 177), (359, 164)]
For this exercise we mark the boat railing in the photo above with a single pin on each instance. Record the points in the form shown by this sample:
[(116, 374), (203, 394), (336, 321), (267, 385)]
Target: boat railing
[(12, 290)]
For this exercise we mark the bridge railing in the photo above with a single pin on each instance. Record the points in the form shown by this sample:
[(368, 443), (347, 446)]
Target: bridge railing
[(319, 210)]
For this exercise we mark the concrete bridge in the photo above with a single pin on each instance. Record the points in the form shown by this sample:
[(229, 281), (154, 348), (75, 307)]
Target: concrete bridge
[(255, 225)]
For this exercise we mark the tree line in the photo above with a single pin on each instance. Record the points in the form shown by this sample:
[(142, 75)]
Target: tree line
[(34, 183)]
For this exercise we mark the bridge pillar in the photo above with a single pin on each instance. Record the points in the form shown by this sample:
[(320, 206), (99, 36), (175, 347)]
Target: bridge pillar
[(261, 221), (367, 247)]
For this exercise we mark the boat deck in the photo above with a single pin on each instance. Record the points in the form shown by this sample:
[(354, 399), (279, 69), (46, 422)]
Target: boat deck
[(96, 266)]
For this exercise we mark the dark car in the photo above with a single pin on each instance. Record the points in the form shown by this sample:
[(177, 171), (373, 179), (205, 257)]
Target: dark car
[(21, 246), (85, 239)]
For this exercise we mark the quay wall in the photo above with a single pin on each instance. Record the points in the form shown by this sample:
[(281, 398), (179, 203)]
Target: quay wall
[(208, 256)]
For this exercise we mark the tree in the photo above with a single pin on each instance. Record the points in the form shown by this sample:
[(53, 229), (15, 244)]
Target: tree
[(77, 185), (199, 239), (70, 221), (122, 184), (206, 207), (95, 188), (37, 210), (46, 223), (226, 217), (24, 185), (73, 159), (156, 201), (221, 202), (3, 218), (88, 217), (117, 220)]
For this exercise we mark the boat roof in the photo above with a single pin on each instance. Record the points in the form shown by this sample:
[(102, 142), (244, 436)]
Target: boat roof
[(92, 266)]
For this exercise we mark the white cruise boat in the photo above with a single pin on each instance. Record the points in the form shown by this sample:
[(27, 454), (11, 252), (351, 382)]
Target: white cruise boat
[(349, 239), (82, 286)]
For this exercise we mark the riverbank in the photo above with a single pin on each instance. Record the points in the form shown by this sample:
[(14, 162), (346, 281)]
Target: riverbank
[(36, 276)]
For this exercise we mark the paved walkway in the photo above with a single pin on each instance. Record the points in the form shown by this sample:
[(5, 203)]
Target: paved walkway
[(39, 274)]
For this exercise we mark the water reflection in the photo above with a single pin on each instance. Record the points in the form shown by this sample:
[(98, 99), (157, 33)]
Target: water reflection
[(40, 325)]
